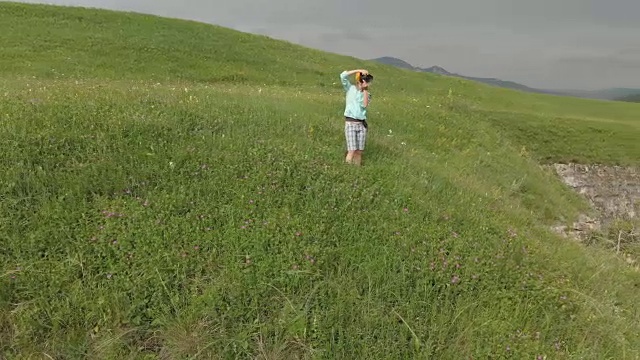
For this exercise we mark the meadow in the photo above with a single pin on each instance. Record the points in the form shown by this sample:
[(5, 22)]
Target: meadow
[(176, 190)]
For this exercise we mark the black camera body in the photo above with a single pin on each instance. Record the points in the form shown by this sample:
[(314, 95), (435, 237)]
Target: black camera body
[(366, 78)]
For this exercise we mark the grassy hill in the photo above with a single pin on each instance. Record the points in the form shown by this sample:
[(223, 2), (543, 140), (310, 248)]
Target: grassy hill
[(176, 190)]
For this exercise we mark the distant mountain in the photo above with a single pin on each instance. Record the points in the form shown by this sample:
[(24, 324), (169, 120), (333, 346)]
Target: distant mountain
[(395, 62), (630, 98), (605, 94)]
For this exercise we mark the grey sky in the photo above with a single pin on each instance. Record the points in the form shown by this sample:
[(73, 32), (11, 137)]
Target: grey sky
[(586, 44)]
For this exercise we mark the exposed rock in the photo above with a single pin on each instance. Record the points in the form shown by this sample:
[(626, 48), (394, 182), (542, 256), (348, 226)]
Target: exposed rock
[(613, 191)]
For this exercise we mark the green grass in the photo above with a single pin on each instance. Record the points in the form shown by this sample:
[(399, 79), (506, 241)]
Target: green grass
[(176, 190)]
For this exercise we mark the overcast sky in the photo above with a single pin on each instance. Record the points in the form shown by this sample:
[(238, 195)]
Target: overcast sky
[(553, 44)]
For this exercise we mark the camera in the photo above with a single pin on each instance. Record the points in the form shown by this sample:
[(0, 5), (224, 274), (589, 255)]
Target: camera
[(366, 78)]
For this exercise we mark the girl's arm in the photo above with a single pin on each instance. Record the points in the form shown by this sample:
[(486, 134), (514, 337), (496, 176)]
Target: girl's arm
[(344, 77), (351, 72), (366, 98)]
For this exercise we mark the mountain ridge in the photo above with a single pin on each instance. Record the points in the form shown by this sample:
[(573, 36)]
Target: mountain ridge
[(616, 94)]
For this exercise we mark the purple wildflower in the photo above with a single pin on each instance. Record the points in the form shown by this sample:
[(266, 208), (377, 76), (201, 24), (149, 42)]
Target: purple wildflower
[(455, 279)]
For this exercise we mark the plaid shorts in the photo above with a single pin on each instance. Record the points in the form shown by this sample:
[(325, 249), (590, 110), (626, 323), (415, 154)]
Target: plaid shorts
[(356, 134)]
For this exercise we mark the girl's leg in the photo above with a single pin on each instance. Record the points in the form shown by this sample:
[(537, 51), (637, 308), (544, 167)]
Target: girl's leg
[(351, 136), (357, 157), (350, 156), (362, 137)]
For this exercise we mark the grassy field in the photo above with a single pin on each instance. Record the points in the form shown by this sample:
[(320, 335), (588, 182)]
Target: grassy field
[(177, 190)]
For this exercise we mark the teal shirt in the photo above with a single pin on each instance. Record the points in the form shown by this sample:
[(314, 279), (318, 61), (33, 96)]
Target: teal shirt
[(354, 99)]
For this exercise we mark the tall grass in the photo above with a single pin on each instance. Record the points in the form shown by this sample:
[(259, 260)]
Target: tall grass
[(176, 190)]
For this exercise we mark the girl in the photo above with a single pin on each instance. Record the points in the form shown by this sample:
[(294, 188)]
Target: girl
[(357, 101)]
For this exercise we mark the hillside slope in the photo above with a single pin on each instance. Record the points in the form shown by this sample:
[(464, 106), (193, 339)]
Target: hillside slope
[(176, 190)]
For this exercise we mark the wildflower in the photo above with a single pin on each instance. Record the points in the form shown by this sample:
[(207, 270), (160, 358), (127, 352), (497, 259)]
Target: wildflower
[(455, 279), (196, 248), (298, 233), (109, 276), (251, 201), (406, 209)]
